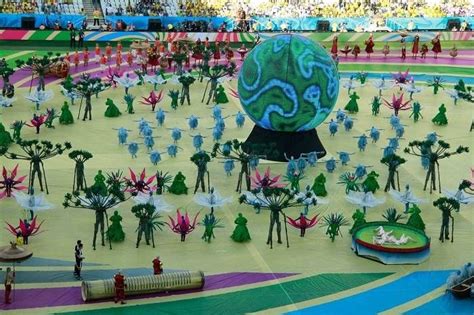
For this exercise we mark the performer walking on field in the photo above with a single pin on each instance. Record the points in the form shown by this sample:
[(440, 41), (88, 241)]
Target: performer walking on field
[(9, 280), (120, 285)]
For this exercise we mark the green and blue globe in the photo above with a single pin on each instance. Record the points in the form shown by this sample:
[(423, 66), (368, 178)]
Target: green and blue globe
[(288, 83)]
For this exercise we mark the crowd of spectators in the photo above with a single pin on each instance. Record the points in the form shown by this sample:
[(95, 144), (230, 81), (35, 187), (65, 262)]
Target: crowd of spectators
[(301, 8), (44, 6), (19, 7)]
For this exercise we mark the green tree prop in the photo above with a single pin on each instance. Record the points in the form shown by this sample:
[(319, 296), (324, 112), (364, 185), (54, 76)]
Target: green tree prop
[(446, 205), (415, 219), (241, 152), (36, 152), (210, 222), (433, 152), (87, 86), (80, 157), (39, 66), (92, 199), (148, 222), (393, 162), (392, 216), (214, 74), (276, 200), (359, 220), (334, 221), (162, 182), (5, 73)]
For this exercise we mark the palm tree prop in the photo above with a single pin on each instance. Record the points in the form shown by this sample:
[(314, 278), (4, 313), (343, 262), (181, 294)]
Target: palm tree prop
[(334, 221), (275, 199), (36, 152), (433, 151), (86, 86), (148, 222), (391, 215), (241, 152), (94, 199), (80, 157), (214, 74), (38, 66)]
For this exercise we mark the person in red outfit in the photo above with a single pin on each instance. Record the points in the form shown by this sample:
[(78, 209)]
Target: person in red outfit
[(334, 45), (86, 56), (120, 285), (108, 52), (119, 46), (129, 58), (369, 45), (76, 59), (157, 266), (9, 280), (415, 48), (436, 45)]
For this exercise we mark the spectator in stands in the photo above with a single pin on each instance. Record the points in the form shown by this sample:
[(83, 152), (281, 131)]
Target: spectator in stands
[(120, 25), (130, 27), (84, 24), (69, 26), (119, 10), (57, 26), (96, 16)]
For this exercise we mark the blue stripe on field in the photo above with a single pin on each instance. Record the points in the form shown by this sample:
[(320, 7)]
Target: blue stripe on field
[(384, 297), (445, 304), (46, 262)]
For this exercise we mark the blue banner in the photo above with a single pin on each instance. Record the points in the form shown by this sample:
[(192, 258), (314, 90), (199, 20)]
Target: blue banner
[(422, 23), (14, 20)]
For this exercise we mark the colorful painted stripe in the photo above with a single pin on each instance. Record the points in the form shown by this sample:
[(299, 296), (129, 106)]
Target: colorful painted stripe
[(445, 304), (253, 300), (64, 296), (384, 297)]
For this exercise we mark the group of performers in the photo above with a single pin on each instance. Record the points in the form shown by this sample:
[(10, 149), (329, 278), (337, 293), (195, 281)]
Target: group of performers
[(416, 49), (146, 54)]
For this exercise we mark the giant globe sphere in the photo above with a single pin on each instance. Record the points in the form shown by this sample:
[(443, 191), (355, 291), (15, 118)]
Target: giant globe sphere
[(288, 83)]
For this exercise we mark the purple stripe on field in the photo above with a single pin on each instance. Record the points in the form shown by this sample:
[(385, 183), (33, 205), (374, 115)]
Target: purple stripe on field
[(52, 297)]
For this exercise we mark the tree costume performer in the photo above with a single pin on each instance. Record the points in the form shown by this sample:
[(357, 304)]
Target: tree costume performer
[(393, 162), (446, 205), (440, 118), (221, 97), (186, 81), (119, 285), (352, 106), (436, 42), (415, 47), (210, 223), (50, 117), (241, 233), (35, 152), (201, 159), (416, 111), (157, 266), (369, 45), (66, 117), (215, 73), (178, 186), (112, 110), (80, 157), (128, 98), (174, 95), (148, 220), (376, 105), (334, 222), (115, 232)]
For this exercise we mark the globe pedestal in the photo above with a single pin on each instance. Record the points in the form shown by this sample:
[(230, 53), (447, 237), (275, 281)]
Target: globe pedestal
[(291, 144)]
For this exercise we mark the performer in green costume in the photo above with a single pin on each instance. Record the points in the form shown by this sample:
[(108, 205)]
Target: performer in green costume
[(66, 117), (112, 109), (178, 187), (241, 233), (115, 232), (319, 187)]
